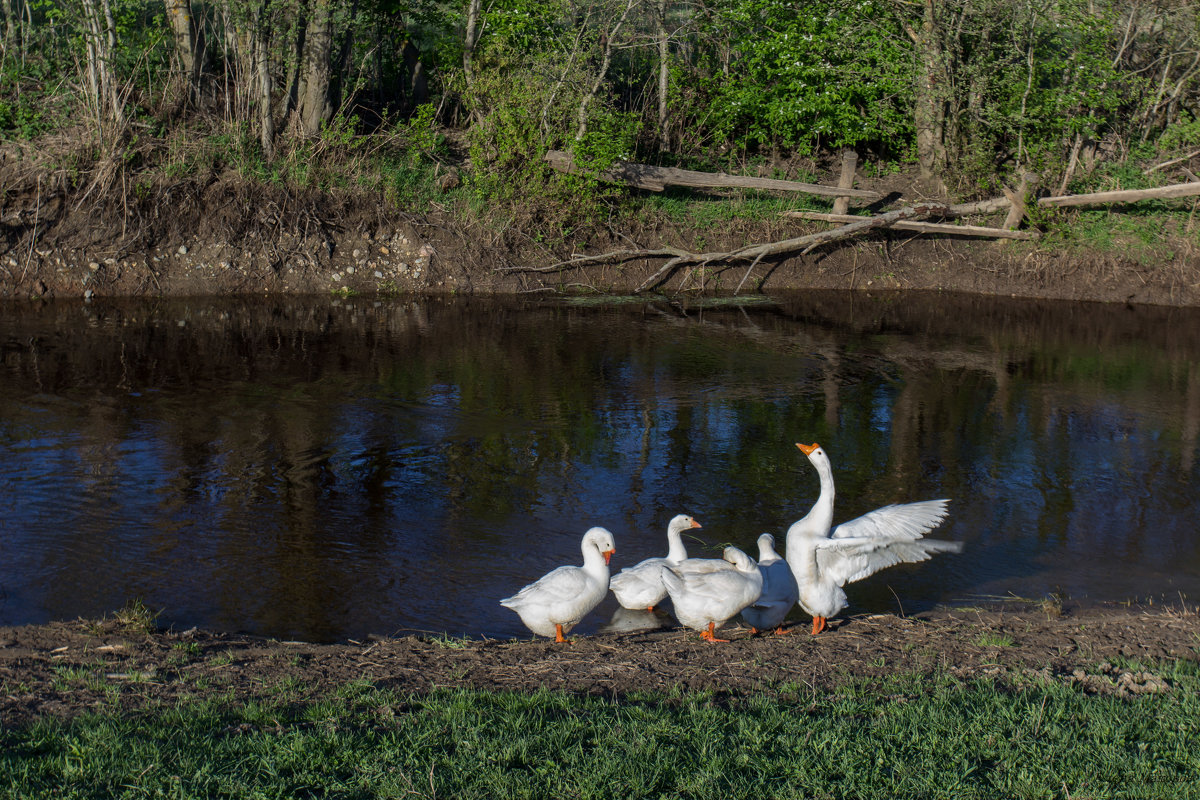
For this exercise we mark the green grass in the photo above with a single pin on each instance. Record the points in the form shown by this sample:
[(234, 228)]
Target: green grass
[(687, 207), (992, 639), (907, 736)]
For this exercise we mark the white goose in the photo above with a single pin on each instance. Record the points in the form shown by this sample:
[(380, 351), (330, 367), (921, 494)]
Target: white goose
[(705, 596), (555, 603), (824, 562), (779, 591), (641, 586)]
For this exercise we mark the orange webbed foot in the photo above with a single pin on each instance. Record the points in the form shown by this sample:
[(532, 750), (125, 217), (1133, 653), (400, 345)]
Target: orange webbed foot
[(709, 635)]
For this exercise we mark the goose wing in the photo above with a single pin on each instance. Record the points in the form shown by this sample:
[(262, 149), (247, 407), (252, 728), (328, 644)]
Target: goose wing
[(691, 567), (560, 585), (845, 560), (644, 573), (641, 585), (897, 521)]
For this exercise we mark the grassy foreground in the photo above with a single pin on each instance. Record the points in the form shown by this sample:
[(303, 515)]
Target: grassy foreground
[(909, 736)]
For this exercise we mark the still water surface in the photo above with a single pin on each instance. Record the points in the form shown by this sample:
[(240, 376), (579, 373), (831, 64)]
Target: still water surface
[(324, 469)]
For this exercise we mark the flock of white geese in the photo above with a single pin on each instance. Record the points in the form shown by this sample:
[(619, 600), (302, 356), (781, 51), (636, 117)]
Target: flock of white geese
[(708, 592)]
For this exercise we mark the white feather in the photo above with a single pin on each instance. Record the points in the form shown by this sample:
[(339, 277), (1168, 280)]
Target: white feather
[(823, 559), (564, 595)]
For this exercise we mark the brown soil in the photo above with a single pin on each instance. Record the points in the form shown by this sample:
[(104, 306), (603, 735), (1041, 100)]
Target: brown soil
[(216, 235), (68, 668)]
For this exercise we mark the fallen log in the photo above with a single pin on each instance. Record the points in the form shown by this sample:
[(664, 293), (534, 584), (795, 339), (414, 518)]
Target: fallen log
[(921, 227), (1122, 195), (998, 204), (655, 179), (993, 206)]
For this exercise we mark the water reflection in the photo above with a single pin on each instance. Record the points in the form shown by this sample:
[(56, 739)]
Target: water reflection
[(328, 468)]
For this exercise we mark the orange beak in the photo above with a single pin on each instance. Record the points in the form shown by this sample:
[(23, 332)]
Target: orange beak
[(807, 449), (608, 554), (696, 524)]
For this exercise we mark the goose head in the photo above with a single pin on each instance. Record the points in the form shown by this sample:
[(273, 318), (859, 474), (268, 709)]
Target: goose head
[(681, 523), (816, 454), (739, 559), (600, 540), (766, 547)]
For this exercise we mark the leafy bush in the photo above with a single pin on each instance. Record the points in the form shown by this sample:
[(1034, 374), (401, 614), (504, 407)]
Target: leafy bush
[(799, 76)]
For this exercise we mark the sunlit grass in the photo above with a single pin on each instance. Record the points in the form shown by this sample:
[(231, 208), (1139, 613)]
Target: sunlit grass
[(993, 639), (905, 736)]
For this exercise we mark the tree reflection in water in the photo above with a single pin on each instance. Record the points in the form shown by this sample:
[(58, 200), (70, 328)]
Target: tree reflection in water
[(326, 468)]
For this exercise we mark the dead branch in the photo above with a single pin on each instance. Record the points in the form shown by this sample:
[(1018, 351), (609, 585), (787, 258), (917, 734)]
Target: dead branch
[(921, 227), (753, 253)]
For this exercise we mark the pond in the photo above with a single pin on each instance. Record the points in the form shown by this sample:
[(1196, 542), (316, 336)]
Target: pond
[(325, 468)]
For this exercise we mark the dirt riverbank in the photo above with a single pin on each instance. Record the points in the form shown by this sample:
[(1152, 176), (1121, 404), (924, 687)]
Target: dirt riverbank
[(69, 668), (218, 235)]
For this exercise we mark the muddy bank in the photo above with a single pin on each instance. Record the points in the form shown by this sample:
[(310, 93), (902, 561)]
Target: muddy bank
[(69, 668), (218, 235)]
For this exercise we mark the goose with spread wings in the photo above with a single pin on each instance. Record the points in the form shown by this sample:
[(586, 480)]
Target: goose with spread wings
[(824, 559)]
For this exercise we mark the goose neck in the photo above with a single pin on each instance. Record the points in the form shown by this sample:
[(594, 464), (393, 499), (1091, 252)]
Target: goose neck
[(675, 551)]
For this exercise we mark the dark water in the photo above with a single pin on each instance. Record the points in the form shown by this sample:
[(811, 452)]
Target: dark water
[(326, 469)]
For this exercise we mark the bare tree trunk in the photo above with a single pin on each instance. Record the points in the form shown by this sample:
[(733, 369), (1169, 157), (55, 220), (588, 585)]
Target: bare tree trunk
[(928, 117), (188, 43), (102, 82), (471, 38), (290, 96), (263, 82), (664, 55), (110, 39), (92, 45), (315, 105)]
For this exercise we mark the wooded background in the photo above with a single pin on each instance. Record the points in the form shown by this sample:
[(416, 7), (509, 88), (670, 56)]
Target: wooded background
[(971, 91)]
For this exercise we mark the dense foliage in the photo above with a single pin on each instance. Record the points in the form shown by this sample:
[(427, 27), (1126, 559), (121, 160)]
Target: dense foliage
[(972, 90)]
